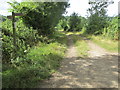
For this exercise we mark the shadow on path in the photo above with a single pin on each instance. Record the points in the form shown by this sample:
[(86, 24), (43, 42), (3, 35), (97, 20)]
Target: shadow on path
[(101, 72), (95, 72)]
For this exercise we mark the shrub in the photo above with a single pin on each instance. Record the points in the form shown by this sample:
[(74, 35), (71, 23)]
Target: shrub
[(38, 64), (25, 38)]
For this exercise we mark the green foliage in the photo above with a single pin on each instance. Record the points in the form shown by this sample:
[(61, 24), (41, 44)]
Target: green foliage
[(43, 16), (74, 22), (111, 31), (83, 31), (38, 64), (99, 23), (59, 37), (32, 61), (96, 24), (97, 19), (63, 23), (26, 38), (36, 25)]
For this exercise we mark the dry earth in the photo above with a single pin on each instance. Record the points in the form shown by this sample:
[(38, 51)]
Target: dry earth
[(100, 70)]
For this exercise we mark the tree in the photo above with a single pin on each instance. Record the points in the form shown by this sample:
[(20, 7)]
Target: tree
[(63, 23), (42, 16), (74, 22), (98, 18)]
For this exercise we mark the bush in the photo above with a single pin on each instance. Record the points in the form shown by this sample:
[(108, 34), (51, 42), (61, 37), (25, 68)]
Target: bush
[(38, 64), (111, 31), (25, 38)]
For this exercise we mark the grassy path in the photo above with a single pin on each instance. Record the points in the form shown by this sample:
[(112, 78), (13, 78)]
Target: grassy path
[(100, 70)]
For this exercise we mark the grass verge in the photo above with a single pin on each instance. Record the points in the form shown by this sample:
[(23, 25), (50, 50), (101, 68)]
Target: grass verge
[(110, 45)]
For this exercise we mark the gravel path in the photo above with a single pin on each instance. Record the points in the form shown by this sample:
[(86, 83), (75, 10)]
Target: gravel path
[(100, 70)]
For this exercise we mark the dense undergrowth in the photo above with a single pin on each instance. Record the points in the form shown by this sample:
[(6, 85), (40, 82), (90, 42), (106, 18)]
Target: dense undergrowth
[(41, 60), (25, 39), (37, 48)]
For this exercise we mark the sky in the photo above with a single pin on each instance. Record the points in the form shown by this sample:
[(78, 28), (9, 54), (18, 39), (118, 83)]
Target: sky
[(81, 6), (78, 6), (119, 7)]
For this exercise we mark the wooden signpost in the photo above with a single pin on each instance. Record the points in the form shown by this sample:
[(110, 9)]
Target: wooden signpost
[(14, 32), (13, 26)]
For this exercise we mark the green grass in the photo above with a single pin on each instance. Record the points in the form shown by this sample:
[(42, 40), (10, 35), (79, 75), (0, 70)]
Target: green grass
[(81, 45), (108, 44), (59, 37), (82, 48), (41, 61)]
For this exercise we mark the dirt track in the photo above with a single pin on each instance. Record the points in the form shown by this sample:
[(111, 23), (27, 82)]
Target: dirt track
[(100, 70)]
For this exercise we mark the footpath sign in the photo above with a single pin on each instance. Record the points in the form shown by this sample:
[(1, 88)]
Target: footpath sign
[(14, 30)]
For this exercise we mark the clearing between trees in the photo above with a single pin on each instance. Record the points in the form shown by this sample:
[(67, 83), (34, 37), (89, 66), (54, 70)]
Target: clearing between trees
[(99, 70)]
